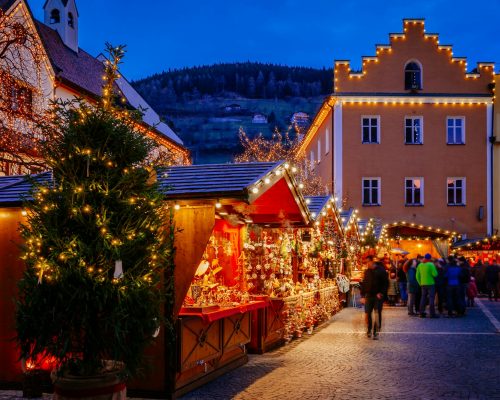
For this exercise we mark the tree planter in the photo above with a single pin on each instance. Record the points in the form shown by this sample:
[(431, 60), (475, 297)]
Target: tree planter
[(106, 386)]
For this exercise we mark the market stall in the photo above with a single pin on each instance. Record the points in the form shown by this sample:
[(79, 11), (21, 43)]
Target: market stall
[(417, 239), (13, 191), (480, 250), (310, 259), (213, 207)]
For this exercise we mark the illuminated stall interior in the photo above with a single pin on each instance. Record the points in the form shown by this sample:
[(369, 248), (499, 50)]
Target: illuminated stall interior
[(416, 239), (352, 242), (485, 250)]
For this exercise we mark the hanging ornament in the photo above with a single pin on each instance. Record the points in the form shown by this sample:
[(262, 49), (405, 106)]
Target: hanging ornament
[(118, 269)]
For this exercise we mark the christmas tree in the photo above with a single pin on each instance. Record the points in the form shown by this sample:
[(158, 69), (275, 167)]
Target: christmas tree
[(98, 241)]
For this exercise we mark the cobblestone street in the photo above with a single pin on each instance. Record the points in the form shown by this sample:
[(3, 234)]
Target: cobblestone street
[(415, 358)]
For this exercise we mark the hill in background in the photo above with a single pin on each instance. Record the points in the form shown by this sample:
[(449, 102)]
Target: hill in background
[(208, 105)]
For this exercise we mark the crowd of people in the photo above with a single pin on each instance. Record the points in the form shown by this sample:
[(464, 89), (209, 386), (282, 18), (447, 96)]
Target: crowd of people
[(446, 286)]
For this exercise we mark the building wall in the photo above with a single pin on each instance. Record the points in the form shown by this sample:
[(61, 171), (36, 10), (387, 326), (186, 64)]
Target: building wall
[(496, 161), (448, 90), (442, 73), (322, 163), (392, 160)]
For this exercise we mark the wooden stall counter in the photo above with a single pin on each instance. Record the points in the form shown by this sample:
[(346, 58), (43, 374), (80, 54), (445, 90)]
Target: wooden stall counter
[(212, 342)]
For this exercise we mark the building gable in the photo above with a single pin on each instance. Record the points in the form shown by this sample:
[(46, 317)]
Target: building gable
[(441, 71)]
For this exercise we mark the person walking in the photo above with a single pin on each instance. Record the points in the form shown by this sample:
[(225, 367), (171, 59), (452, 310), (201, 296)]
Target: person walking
[(426, 274), (492, 279), (373, 292), (412, 286)]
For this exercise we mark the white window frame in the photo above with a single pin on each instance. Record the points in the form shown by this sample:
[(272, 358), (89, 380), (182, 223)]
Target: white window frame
[(370, 117), (379, 187), (413, 117), (453, 117), (319, 150), (464, 190), (413, 178), (327, 141)]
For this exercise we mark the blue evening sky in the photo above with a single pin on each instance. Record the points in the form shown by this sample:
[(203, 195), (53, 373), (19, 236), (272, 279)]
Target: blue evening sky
[(163, 34)]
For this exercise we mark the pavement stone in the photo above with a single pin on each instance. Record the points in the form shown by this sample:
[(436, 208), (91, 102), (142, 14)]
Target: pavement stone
[(415, 359)]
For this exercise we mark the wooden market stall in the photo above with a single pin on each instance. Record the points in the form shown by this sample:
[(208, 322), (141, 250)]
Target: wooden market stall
[(484, 250), (417, 239), (310, 296), (213, 207), (13, 191)]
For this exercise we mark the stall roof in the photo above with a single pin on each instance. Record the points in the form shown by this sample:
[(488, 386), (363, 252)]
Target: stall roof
[(316, 204), (259, 192), (14, 190), (346, 216), (213, 180)]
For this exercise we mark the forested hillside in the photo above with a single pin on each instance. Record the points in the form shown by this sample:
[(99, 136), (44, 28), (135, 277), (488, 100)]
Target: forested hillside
[(250, 80), (207, 105)]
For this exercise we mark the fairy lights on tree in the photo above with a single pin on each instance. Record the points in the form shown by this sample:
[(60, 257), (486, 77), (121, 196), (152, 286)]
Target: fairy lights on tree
[(281, 147), (98, 242)]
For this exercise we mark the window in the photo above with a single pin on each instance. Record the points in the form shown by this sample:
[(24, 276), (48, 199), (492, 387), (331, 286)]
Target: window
[(414, 191), (312, 158), (371, 191), (55, 16), (14, 96), (413, 130), (71, 20), (413, 76), (370, 129), (319, 151), (455, 130), (456, 191), (327, 141)]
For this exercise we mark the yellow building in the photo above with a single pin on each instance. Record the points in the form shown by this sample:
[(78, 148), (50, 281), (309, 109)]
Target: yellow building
[(496, 159)]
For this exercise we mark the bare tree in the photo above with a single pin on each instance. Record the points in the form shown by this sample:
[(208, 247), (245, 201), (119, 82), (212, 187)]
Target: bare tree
[(21, 95), (282, 147)]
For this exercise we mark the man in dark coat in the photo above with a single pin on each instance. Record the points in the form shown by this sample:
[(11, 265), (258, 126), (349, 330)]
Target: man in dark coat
[(373, 292)]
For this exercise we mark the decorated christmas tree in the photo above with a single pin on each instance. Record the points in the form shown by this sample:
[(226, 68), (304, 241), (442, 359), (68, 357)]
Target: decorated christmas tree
[(98, 242)]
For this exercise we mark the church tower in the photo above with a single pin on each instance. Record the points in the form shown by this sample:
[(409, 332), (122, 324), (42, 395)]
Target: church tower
[(62, 16)]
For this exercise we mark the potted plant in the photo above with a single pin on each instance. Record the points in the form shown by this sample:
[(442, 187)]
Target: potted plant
[(98, 250)]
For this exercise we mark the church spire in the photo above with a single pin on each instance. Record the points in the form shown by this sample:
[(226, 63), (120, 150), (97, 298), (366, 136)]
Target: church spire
[(62, 16)]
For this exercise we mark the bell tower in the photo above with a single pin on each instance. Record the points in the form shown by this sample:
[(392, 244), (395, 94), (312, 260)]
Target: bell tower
[(62, 16)]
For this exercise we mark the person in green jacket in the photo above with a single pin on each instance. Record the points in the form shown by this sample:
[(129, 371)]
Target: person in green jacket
[(426, 274)]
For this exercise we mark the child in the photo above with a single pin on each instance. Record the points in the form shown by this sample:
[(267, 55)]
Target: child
[(471, 292)]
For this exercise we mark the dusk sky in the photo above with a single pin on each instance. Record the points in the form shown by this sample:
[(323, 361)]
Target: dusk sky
[(163, 34)]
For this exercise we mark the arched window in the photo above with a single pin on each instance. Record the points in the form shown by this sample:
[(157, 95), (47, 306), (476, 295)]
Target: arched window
[(413, 76), (55, 16), (71, 21)]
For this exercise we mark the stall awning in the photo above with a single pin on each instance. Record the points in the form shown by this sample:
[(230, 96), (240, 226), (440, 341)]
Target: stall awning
[(346, 216), (14, 190), (214, 180), (260, 193)]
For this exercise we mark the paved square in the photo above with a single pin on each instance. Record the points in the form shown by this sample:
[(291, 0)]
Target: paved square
[(415, 358)]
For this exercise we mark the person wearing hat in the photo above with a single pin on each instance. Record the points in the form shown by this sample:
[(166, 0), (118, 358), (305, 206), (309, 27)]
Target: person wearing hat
[(426, 275)]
